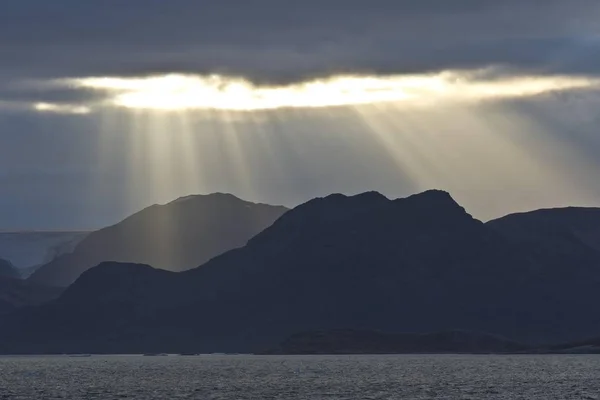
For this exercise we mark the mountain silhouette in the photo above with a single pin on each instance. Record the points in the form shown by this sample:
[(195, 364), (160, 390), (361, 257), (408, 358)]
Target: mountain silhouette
[(568, 234), (177, 236), (359, 263)]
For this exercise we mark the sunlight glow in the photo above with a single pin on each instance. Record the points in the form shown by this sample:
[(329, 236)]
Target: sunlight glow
[(61, 108), (216, 92)]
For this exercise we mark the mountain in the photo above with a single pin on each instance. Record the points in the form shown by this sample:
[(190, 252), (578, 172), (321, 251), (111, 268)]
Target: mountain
[(7, 270), (177, 236), (359, 263), (28, 250), (371, 342), (16, 293), (571, 234)]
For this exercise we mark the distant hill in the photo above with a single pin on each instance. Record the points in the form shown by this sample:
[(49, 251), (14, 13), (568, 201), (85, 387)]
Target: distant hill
[(177, 236), (28, 250), (372, 342), (586, 346), (357, 263)]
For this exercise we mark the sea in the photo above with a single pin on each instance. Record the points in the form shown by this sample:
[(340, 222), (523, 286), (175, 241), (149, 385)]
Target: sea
[(301, 377)]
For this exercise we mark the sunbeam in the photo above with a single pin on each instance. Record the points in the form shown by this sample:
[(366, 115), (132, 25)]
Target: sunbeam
[(187, 134), (481, 153)]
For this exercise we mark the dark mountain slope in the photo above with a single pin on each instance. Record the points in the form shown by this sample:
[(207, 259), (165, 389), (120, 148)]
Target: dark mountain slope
[(416, 264), (572, 230), (419, 264), (7, 270), (177, 236), (16, 293)]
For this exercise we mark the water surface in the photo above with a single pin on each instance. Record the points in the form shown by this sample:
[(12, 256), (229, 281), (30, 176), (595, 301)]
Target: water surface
[(301, 377)]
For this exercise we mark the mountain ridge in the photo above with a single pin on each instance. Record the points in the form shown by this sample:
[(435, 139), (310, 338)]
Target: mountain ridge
[(420, 264), (175, 236), (28, 250)]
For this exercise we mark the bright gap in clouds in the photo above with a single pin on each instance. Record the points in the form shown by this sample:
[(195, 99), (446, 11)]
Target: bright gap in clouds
[(61, 108), (214, 92)]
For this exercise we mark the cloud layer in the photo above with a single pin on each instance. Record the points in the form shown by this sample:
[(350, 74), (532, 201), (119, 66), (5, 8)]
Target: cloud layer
[(273, 40)]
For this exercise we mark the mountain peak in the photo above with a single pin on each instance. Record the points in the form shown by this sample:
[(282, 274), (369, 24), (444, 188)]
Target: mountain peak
[(434, 200), (337, 204), (216, 195), (364, 197), (433, 194), (110, 280)]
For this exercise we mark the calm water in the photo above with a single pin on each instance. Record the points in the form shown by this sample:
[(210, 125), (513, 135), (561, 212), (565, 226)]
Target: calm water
[(318, 377)]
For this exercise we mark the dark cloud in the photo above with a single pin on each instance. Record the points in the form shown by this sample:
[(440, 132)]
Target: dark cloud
[(270, 41), (275, 40)]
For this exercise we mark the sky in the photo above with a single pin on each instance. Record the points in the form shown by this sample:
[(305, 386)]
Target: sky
[(109, 106)]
